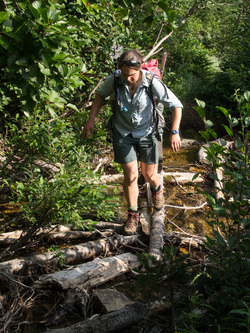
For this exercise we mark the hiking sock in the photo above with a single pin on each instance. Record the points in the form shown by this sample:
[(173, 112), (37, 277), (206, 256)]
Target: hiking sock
[(133, 209), (155, 189)]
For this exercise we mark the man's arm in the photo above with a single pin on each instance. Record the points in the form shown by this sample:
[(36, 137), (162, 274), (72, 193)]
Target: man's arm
[(89, 125), (175, 140)]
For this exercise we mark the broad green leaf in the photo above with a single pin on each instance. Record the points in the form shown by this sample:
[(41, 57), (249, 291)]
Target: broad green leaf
[(22, 62), (229, 131), (208, 123), (201, 111), (26, 114), (163, 5), (41, 181), (200, 103), (72, 106), (59, 56), (247, 95), (4, 42), (52, 112), (43, 69), (226, 113), (234, 122), (238, 143), (8, 25), (205, 135), (195, 176), (33, 8), (4, 16), (213, 133), (63, 69), (54, 97), (96, 7)]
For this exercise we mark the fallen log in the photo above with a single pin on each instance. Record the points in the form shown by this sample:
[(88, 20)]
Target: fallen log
[(190, 242), (181, 177), (157, 229), (50, 260), (10, 237), (116, 321), (156, 237), (61, 232), (145, 212), (90, 274)]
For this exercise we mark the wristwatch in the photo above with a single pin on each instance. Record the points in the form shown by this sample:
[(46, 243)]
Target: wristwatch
[(174, 132)]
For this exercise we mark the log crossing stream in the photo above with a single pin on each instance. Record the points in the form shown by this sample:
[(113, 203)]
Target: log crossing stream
[(59, 296)]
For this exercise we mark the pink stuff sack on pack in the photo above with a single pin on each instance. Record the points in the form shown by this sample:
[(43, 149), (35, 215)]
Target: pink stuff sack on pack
[(152, 66)]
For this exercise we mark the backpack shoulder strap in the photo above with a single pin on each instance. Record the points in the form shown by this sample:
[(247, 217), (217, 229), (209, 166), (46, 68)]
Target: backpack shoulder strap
[(149, 77), (116, 80)]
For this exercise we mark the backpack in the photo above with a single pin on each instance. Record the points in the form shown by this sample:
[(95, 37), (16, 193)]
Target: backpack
[(152, 68)]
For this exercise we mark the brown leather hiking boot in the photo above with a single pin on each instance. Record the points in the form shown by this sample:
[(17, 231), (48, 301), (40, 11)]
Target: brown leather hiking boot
[(132, 224), (158, 199)]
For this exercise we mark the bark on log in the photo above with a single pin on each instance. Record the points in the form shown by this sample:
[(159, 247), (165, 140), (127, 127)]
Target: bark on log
[(9, 237), (33, 264), (181, 177), (181, 240), (90, 274), (157, 229), (157, 232), (117, 178), (112, 322), (145, 212), (61, 232), (120, 320)]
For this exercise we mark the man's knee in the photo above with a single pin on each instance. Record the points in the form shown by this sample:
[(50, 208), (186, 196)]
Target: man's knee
[(130, 178), (150, 174)]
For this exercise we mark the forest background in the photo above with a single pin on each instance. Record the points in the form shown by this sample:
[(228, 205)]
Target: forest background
[(53, 55)]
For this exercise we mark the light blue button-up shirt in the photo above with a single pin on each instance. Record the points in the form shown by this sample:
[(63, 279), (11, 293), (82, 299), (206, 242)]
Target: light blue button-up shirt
[(138, 119)]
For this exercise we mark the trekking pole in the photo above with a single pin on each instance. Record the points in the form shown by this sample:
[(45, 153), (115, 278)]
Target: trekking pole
[(163, 63)]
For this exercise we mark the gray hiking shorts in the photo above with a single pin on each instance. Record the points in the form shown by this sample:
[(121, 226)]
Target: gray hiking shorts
[(129, 149)]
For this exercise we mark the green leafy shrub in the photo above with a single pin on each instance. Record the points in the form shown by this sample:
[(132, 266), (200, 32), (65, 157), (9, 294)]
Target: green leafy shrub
[(223, 286)]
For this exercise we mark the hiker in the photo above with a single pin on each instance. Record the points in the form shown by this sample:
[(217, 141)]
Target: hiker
[(134, 130)]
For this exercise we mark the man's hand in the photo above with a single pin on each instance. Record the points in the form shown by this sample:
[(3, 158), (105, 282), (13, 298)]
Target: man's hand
[(88, 128), (175, 142)]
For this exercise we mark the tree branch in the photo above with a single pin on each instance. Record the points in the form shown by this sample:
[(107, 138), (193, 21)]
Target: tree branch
[(154, 50)]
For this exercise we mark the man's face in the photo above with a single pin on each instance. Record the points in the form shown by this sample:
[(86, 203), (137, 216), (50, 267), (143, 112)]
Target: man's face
[(129, 74)]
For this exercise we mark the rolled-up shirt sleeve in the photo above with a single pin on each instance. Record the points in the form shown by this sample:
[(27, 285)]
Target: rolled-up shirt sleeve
[(165, 95), (107, 88)]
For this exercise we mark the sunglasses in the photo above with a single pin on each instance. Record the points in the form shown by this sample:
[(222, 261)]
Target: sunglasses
[(132, 63)]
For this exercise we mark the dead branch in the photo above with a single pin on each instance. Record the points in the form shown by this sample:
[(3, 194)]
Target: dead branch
[(13, 280), (189, 13), (185, 207), (182, 231)]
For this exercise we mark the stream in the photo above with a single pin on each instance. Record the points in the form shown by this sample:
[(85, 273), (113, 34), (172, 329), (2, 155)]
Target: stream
[(190, 221)]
